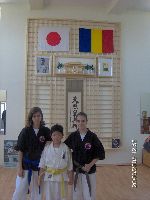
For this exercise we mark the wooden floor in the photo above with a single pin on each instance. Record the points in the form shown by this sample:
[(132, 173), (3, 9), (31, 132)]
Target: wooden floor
[(113, 183)]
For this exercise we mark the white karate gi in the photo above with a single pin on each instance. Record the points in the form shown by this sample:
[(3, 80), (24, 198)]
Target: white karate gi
[(82, 191), (55, 158), (22, 186)]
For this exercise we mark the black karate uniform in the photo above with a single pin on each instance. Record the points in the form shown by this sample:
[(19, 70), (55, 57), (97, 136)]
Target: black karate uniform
[(32, 145), (85, 151)]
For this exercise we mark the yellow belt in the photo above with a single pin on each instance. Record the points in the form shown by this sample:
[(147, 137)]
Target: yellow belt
[(57, 172)]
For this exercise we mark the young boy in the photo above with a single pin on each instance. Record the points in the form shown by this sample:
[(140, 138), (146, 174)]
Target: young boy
[(56, 166)]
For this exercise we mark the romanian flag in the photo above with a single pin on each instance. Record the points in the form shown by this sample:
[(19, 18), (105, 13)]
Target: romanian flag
[(107, 41), (96, 41)]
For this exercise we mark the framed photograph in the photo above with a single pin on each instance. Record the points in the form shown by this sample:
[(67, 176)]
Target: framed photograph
[(74, 107), (43, 65), (10, 154), (115, 142), (145, 113), (74, 65), (105, 67)]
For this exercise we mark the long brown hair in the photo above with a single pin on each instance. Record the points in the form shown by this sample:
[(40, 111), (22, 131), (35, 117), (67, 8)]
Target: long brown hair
[(30, 115)]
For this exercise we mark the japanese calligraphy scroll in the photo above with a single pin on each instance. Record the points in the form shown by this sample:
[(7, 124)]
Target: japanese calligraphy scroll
[(74, 107)]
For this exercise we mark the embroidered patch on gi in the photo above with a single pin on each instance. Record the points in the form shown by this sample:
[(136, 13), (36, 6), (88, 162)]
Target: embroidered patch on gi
[(42, 138), (88, 146)]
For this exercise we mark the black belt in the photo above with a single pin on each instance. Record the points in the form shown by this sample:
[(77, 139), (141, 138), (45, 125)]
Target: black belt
[(76, 176)]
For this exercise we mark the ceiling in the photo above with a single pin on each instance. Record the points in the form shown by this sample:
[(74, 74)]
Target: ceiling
[(109, 6)]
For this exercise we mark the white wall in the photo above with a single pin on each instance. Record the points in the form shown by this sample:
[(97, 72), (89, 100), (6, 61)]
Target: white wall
[(135, 46)]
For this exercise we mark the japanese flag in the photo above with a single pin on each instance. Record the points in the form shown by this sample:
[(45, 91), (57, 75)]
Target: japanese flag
[(53, 39)]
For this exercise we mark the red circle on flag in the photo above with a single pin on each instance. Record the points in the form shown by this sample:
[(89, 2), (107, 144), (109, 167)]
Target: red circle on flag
[(53, 38)]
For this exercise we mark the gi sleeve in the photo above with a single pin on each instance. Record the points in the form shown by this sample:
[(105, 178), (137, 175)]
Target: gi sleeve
[(99, 151), (21, 142), (42, 163), (68, 141), (47, 134)]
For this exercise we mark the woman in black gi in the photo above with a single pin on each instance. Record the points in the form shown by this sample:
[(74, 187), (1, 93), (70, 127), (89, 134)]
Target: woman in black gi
[(30, 144), (86, 150)]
